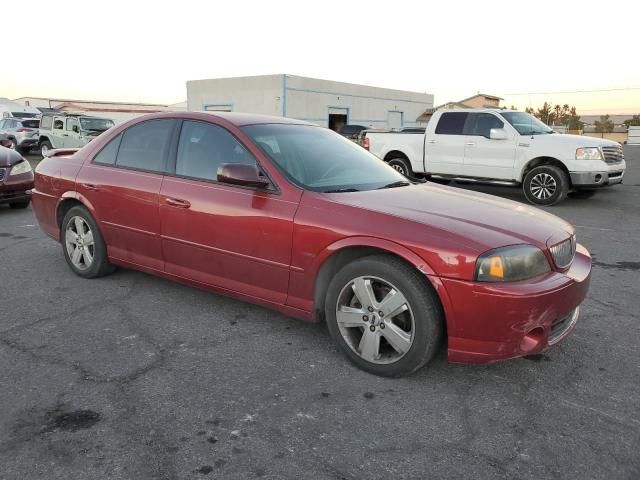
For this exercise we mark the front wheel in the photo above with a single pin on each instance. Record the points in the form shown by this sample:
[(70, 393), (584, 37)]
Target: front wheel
[(384, 316), (83, 246), (401, 165), (45, 146), (545, 185)]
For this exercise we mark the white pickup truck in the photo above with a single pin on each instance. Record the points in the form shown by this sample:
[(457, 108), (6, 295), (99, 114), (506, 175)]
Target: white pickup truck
[(502, 147)]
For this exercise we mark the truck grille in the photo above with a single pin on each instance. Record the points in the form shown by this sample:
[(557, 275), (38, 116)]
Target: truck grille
[(613, 155), (2, 173), (562, 325)]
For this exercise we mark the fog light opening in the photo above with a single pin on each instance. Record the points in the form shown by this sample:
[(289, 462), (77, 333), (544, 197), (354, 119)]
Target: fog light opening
[(532, 340), (598, 178)]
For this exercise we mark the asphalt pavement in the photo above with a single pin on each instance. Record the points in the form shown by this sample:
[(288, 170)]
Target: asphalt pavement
[(135, 377)]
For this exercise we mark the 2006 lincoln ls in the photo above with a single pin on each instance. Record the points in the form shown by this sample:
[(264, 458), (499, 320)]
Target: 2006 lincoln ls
[(294, 217)]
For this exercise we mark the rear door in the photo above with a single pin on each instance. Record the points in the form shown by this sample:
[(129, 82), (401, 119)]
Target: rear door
[(444, 148), (228, 236), (484, 157), (122, 183)]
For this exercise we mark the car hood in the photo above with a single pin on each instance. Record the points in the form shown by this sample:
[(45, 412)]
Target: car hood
[(9, 157), (480, 221), (572, 141)]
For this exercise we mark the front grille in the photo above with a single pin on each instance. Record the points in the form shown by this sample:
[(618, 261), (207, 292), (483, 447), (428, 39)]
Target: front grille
[(3, 171), (613, 155), (562, 325), (615, 174), (564, 252)]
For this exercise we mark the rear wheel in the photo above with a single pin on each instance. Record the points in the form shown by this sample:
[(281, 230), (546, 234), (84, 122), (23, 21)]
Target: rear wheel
[(45, 146), (545, 185), (401, 165), (383, 316), (83, 246)]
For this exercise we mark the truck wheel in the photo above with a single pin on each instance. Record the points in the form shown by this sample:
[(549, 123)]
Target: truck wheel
[(545, 185), (401, 165), (45, 146)]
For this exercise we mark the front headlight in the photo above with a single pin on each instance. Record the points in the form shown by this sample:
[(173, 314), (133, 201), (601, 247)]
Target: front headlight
[(588, 153), (510, 264), (22, 167)]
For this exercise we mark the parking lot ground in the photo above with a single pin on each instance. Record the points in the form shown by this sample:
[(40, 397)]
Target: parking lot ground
[(135, 377)]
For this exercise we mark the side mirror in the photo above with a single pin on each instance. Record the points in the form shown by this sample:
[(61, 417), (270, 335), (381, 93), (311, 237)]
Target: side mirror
[(242, 174), (498, 134), (75, 128)]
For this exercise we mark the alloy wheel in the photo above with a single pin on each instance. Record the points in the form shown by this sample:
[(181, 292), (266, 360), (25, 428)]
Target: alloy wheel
[(375, 320), (79, 243), (44, 149), (543, 186), (399, 169)]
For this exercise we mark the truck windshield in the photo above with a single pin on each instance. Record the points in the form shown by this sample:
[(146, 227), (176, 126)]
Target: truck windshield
[(526, 124), (96, 124), (318, 159)]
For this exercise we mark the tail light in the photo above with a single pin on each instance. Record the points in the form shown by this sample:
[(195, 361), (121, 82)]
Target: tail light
[(24, 130), (365, 143)]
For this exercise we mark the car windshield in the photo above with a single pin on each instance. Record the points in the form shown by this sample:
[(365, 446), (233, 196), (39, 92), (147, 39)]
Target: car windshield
[(526, 124), (96, 124), (24, 115), (318, 159)]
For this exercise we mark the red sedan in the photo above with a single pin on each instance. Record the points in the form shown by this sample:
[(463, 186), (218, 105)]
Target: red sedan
[(294, 217)]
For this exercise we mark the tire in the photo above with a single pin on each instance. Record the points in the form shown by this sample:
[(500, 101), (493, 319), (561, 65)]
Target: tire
[(545, 185), (19, 205), (582, 194), (45, 145), (13, 145), (417, 329), (92, 262), (401, 165)]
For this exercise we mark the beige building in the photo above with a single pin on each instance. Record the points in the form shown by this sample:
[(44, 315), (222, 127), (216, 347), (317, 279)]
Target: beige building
[(480, 100)]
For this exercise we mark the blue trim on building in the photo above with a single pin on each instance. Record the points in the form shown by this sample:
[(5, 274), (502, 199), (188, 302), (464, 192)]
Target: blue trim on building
[(306, 90), (230, 105)]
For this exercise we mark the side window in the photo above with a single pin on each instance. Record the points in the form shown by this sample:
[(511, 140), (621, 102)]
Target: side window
[(71, 122), (144, 146), (204, 147), (107, 156), (58, 124), (2, 122), (482, 124), (451, 123), (46, 122)]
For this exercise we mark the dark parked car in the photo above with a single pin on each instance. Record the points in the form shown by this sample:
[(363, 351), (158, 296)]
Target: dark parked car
[(296, 218), (352, 132), (16, 178)]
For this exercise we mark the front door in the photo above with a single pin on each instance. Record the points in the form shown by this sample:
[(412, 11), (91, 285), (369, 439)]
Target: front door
[(71, 138), (122, 183), (484, 157), (58, 132), (232, 237)]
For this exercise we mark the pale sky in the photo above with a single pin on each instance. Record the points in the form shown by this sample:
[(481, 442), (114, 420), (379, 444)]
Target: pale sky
[(144, 51)]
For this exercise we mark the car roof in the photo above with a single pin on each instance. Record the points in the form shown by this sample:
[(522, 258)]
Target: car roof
[(235, 118)]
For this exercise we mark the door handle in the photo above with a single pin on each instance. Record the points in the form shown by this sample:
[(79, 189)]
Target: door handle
[(470, 144), (432, 142), (177, 202), (65, 134), (90, 186)]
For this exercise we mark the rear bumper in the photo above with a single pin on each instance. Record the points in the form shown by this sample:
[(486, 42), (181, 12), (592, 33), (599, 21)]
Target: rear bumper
[(491, 322), (27, 142)]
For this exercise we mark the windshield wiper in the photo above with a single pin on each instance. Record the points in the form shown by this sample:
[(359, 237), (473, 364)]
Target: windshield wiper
[(341, 190), (399, 183)]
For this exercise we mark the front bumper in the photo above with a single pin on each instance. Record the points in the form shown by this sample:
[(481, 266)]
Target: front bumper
[(16, 188), (596, 179), (491, 322)]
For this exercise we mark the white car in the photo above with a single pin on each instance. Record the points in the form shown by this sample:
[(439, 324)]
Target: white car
[(504, 147)]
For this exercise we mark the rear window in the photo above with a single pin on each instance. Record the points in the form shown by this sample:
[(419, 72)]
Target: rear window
[(451, 123), (31, 123), (46, 122), (107, 156)]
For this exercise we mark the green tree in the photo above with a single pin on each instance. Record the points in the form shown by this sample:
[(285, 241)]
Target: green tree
[(633, 122), (604, 125), (558, 115)]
